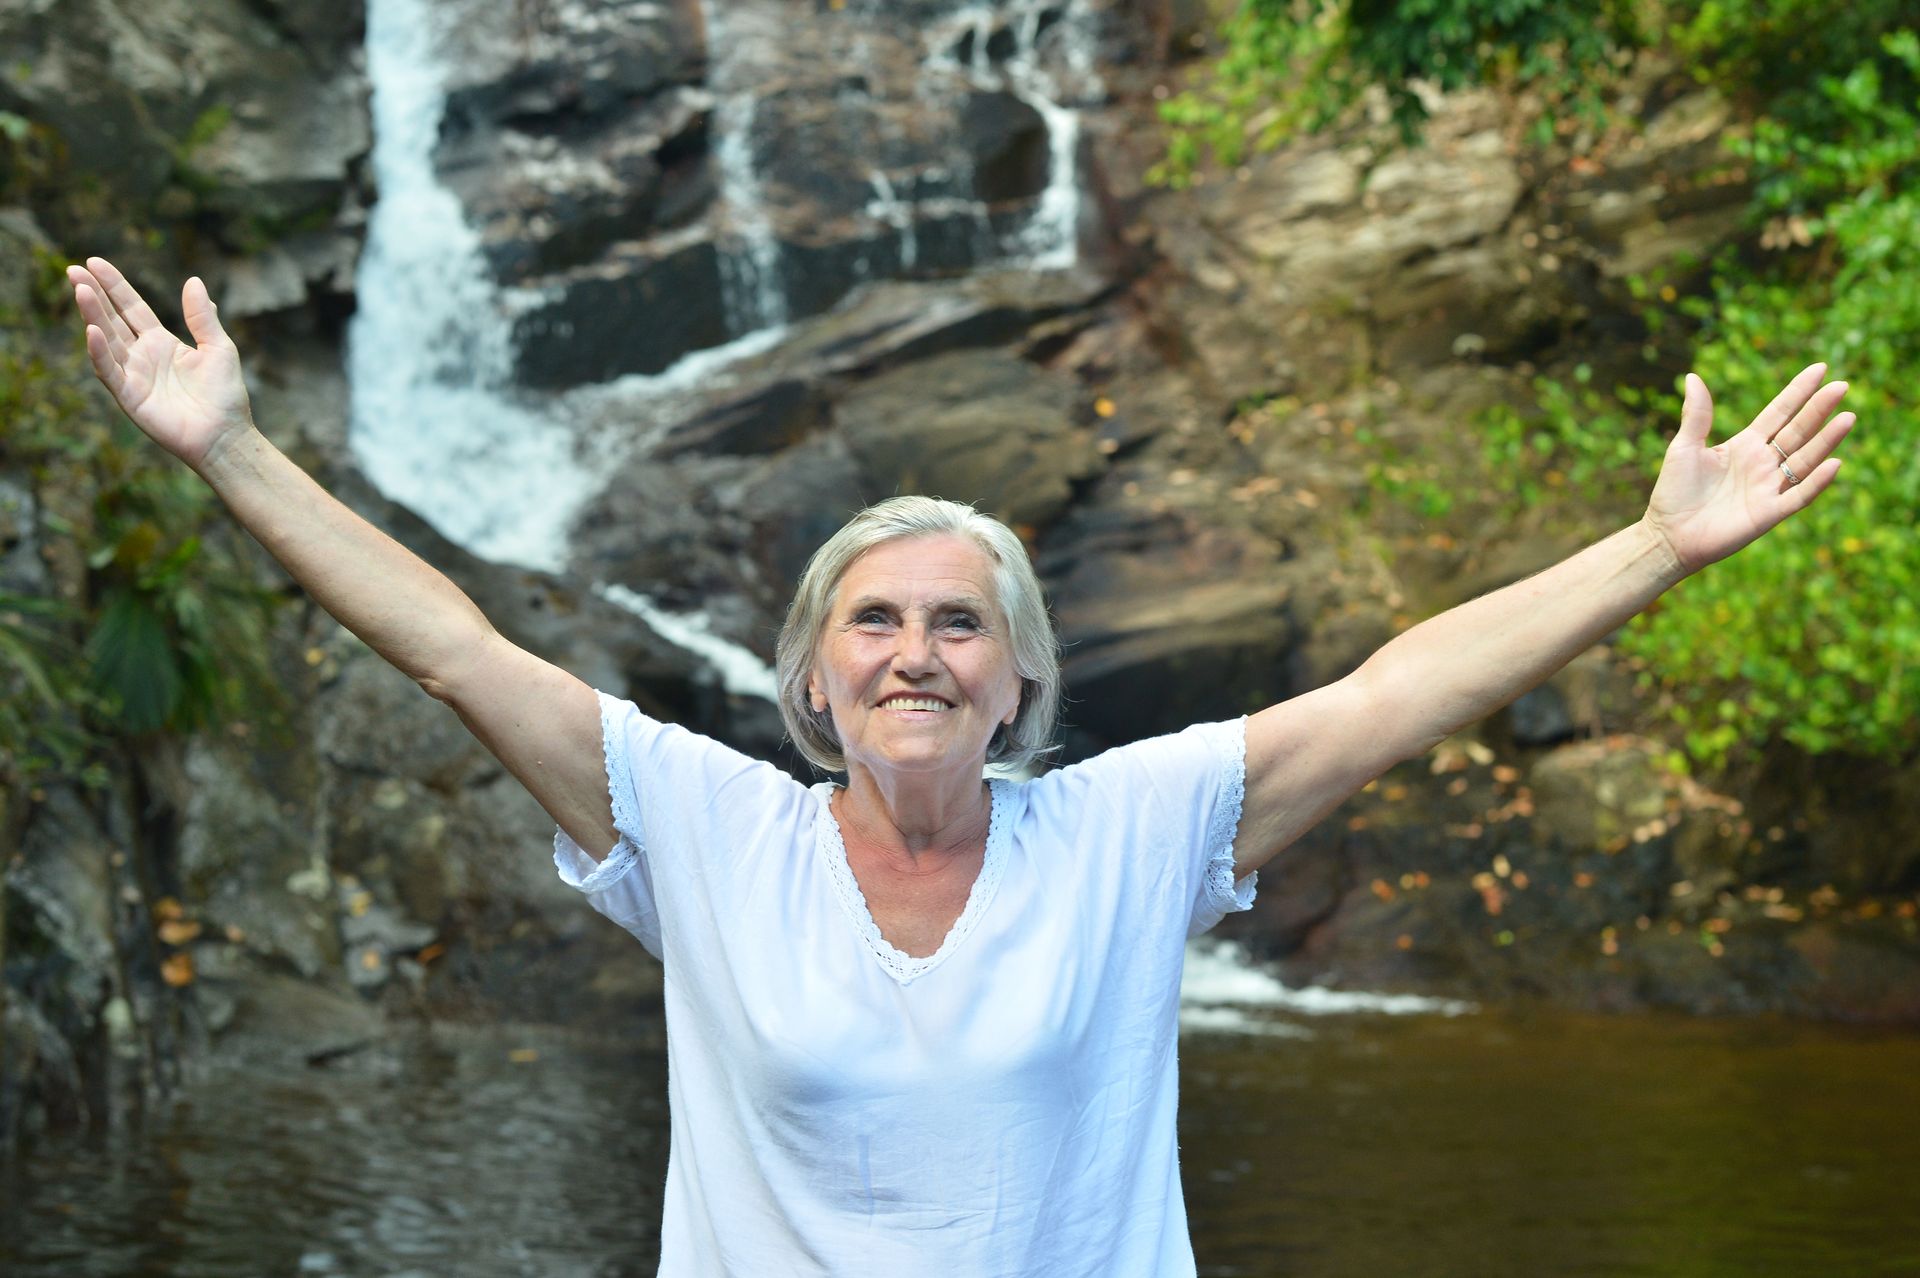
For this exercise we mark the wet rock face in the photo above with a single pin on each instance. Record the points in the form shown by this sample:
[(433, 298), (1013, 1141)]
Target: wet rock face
[(252, 117), (976, 423), (617, 156), (1166, 621), (572, 127)]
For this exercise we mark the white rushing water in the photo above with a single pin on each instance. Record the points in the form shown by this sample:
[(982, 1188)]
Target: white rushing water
[(430, 355), (1222, 990), (436, 422), (1050, 238), (753, 291), (741, 670)]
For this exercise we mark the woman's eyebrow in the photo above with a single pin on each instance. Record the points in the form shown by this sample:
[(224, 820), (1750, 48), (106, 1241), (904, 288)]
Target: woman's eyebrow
[(952, 603)]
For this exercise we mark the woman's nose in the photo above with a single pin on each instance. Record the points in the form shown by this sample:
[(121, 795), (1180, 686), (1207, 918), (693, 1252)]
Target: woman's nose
[(913, 655)]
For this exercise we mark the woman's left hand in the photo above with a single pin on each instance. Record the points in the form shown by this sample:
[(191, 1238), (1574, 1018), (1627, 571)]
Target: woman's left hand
[(1709, 502)]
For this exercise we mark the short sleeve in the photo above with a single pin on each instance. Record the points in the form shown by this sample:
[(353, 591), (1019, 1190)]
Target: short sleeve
[(683, 806), (1220, 797), (1170, 807), (619, 886)]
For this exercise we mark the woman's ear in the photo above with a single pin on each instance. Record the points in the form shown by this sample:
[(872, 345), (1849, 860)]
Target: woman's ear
[(816, 698)]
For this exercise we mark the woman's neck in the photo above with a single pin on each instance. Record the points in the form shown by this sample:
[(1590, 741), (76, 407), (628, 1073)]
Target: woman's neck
[(917, 818)]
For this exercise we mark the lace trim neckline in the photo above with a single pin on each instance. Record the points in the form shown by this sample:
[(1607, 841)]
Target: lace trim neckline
[(900, 965)]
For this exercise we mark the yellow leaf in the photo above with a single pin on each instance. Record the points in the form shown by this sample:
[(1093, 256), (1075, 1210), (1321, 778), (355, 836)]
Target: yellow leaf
[(524, 1055), (177, 970), (178, 931), (1103, 407)]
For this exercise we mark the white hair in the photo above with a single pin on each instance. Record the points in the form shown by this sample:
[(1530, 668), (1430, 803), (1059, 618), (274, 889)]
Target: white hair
[(1030, 635)]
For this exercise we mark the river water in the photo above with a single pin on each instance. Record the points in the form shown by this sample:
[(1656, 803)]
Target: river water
[(1314, 1145)]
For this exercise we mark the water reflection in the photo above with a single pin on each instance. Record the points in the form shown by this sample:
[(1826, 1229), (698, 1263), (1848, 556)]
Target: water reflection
[(1507, 1143), (1359, 1144), (475, 1152)]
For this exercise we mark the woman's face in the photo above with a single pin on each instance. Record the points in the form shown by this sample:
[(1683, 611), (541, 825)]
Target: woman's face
[(914, 662)]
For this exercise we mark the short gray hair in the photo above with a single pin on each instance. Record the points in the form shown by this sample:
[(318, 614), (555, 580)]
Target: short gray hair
[(1030, 635)]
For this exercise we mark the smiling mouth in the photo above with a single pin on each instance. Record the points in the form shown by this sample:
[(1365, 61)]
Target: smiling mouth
[(914, 703)]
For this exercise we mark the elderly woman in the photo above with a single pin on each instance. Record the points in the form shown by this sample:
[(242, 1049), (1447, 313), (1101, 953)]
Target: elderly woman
[(924, 1022)]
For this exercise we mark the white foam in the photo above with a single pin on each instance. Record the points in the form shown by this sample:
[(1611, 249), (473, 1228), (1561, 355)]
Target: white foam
[(429, 351), (1223, 989), (752, 288), (741, 671)]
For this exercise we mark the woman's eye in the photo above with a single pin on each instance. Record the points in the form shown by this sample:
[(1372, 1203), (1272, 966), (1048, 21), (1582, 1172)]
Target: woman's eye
[(963, 622)]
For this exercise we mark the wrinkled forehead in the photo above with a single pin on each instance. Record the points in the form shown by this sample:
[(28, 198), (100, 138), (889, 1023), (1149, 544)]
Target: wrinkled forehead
[(921, 571)]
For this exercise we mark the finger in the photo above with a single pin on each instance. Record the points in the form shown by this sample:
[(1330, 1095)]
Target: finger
[(1802, 494), (102, 312), (105, 367), (1807, 422), (100, 317), (1696, 413), (1788, 402), (1809, 455), (203, 319), (125, 298)]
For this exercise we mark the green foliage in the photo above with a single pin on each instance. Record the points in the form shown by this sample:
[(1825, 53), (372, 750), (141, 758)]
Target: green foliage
[(168, 632), (1771, 56), (44, 694), (1291, 66), (1601, 446), (1288, 66), (1812, 634), (179, 632)]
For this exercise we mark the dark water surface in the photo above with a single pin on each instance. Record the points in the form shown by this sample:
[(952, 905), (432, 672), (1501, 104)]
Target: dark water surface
[(1493, 1143)]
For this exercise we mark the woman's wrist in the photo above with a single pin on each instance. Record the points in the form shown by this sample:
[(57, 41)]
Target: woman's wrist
[(231, 454), (1671, 567)]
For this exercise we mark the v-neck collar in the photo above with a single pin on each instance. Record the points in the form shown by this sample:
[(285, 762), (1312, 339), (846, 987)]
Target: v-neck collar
[(898, 964)]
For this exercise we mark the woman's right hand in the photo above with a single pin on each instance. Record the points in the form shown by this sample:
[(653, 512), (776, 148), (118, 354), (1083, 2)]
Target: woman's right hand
[(188, 399)]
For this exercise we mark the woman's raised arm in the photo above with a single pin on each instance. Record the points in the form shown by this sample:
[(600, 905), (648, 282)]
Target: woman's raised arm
[(539, 721), (1307, 755)]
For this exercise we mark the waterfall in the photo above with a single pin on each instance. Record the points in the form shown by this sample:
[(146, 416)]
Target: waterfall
[(1050, 238), (434, 425), (754, 292), (437, 422), (429, 353)]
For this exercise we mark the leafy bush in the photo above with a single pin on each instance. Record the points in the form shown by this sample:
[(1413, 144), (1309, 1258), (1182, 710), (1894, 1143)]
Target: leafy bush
[(1297, 65), (170, 633), (1813, 634)]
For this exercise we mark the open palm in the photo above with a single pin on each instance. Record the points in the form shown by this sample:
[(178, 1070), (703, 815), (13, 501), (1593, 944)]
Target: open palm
[(186, 398), (1709, 502)]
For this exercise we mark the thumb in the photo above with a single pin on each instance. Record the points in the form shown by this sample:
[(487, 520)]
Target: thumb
[(1696, 413), (203, 320)]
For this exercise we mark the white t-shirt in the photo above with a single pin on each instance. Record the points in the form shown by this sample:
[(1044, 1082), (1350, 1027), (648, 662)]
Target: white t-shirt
[(1002, 1108)]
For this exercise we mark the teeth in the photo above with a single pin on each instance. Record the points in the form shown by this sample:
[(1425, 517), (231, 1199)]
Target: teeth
[(914, 703)]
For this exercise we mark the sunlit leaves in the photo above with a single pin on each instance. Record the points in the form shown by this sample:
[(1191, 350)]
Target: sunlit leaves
[(1287, 66)]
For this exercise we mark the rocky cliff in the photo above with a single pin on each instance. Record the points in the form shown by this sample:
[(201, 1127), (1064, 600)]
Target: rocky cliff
[(937, 219)]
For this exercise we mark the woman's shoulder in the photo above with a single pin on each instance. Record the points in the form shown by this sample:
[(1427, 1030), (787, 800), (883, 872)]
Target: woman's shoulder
[(675, 769), (1200, 747)]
